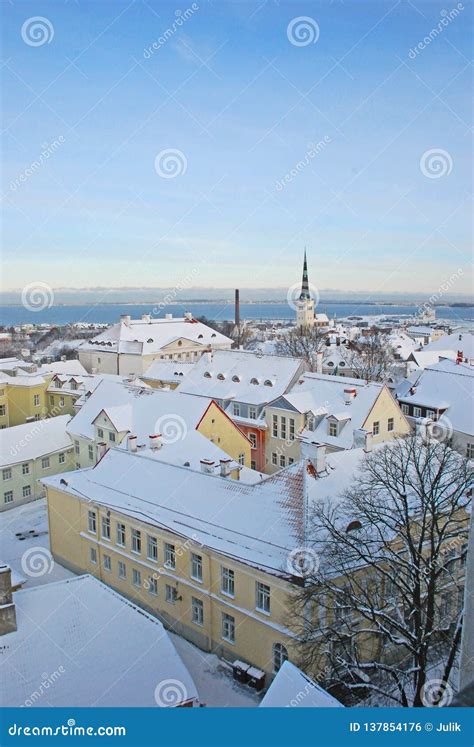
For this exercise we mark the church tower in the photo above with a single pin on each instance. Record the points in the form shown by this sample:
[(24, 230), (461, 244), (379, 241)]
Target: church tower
[(305, 304)]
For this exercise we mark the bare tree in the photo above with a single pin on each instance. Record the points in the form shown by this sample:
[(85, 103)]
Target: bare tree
[(303, 343), (371, 357), (385, 605)]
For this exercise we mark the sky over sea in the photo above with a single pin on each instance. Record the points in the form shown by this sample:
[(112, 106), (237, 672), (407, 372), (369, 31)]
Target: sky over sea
[(206, 144)]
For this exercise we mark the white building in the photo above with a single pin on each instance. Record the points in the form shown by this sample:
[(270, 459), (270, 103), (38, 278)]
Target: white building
[(131, 345)]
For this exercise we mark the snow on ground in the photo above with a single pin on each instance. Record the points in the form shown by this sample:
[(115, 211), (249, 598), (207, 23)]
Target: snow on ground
[(28, 554), (213, 678)]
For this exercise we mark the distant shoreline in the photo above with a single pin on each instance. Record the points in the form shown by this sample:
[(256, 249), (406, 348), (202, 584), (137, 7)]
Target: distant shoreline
[(214, 302)]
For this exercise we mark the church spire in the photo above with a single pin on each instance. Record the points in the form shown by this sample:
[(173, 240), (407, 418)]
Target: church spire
[(304, 283)]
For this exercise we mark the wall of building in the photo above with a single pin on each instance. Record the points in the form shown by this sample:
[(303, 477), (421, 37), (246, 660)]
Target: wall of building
[(384, 408), (222, 431), (26, 402), (283, 450), (25, 476)]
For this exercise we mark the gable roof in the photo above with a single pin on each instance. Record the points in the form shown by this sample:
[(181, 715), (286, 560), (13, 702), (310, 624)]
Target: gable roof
[(293, 688), (20, 443)]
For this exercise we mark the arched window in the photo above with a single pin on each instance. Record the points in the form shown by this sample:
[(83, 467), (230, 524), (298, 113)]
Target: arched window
[(280, 654), (268, 382), (254, 381), (207, 375), (221, 376), (236, 378), (353, 525)]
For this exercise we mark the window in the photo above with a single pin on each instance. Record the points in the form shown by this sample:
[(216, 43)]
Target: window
[(152, 585), (390, 424), (228, 627), (152, 548), (93, 555), (122, 569), (61, 458), (197, 611), (25, 469), (291, 422), (283, 427), (170, 594), (121, 535), (112, 436), (100, 433), (196, 566), (332, 428), (275, 426), (3, 410), (275, 458), (170, 556), (136, 577), (262, 597), (431, 414), (36, 400), (405, 409), (252, 412), (470, 451), (291, 460), (282, 460), (8, 496), (78, 466), (253, 464), (91, 522), (417, 412), (45, 462), (235, 408), (280, 655), (242, 459), (51, 400), (7, 473), (106, 527), (253, 440), (227, 582), (375, 428), (136, 541), (73, 385), (91, 452), (26, 491), (107, 563), (61, 402)]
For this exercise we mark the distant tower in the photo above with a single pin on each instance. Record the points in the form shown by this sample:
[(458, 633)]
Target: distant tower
[(305, 304)]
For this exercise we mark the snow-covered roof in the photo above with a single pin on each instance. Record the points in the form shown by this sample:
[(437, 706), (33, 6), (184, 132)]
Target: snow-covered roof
[(32, 440), (463, 341), (425, 357), (420, 331), (259, 524), (292, 688), (147, 336), (444, 386), (91, 647), (69, 368), (142, 411), (169, 371), (241, 376)]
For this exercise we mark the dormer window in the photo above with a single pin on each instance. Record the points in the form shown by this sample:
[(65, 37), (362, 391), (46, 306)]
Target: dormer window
[(221, 377), (57, 384), (207, 375), (150, 339), (200, 337), (254, 381), (236, 379), (73, 385), (310, 422), (268, 382), (353, 525), (213, 334), (332, 428), (330, 363), (342, 363)]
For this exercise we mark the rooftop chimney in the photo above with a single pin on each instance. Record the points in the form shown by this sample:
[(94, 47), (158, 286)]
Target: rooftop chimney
[(207, 466), (146, 318), (316, 453), (101, 449), (125, 319), (7, 606), (350, 393), (188, 316), (225, 467), (319, 361), (168, 316), (132, 443), (155, 441)]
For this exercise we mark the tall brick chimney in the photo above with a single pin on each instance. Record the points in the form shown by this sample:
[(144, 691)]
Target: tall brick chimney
[(7, 606)]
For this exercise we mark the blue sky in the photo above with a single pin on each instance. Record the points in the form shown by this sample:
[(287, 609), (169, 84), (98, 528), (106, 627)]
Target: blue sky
[(242, 106)]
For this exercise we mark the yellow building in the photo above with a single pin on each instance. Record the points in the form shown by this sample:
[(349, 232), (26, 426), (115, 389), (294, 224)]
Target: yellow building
[(339, 412), (28, 453)]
